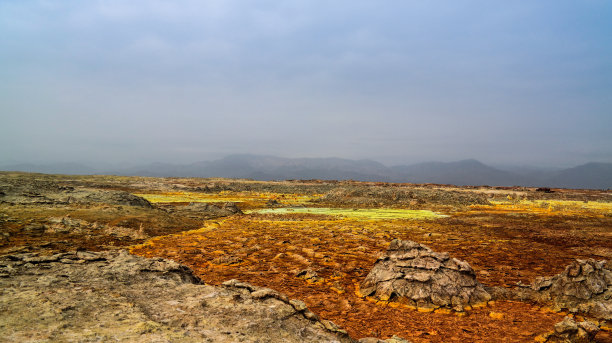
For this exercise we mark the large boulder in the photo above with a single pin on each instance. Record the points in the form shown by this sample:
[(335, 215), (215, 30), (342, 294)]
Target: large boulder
[(585, 286), (412, 274)]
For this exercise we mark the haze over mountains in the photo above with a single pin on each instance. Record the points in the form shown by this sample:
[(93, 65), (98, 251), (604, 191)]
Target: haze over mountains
[(593, 175)]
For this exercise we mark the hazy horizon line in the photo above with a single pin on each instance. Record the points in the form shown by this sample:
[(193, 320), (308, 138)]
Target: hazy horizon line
[(104, 164)]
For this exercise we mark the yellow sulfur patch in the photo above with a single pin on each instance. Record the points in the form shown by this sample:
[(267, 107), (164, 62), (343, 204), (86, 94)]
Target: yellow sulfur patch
[(357, 214), (548, 207), (496, 315), (253, 198), (339, 291), (425, 309), (479, 305)]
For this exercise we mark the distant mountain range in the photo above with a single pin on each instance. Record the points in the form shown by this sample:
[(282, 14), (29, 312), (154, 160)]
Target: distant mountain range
[(592, 175)]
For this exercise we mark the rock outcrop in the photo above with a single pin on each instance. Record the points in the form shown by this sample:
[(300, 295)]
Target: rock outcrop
[(585, 286), (45, 192), (115, 296), (225, 209), (413, 274), (568, 331), (111, 197)]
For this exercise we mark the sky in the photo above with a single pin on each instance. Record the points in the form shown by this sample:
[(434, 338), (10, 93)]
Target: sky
[(504, 82)]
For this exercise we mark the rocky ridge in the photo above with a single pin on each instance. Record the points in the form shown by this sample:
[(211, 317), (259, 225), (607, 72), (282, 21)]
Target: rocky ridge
[(47, 192)]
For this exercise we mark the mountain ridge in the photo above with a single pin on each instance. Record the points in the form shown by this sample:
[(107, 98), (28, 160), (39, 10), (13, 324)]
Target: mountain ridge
[(469, 172)]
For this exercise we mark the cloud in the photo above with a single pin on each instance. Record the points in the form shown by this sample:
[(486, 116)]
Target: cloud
[(409, 79)]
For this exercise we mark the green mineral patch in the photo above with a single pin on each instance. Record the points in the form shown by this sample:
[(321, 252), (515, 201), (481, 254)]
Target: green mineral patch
[(360, 214)]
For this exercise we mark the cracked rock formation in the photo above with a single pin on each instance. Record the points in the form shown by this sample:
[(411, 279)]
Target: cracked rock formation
[(114, 296), (585, 286), (412, 274), (568, 331)]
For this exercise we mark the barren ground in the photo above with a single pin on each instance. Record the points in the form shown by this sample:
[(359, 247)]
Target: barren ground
[(508, 235)]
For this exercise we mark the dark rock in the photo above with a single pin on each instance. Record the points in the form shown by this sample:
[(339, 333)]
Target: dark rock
[(544, 190), (227, 209), (227, 260), (309, 275), (272, 203), (231, 207), (115, 198)]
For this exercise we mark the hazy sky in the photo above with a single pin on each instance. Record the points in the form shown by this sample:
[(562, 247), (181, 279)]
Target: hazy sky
[(526, 82)]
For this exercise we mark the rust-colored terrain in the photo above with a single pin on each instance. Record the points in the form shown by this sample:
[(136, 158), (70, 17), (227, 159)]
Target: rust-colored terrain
[(509, 236)]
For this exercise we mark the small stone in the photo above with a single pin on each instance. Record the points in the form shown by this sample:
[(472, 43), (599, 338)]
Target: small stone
[(310, 276), (264, 293), (310, 315), (89, 256), (541, 283), (331, 326), (589, 327), (587, 268), (567, 325), (573, 269), (238, 284), (298, 305)]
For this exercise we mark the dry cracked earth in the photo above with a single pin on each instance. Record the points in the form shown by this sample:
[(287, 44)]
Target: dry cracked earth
[(134, 259)]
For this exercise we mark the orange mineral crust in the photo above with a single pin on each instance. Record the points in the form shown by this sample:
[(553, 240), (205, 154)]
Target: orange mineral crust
[(322, 260)]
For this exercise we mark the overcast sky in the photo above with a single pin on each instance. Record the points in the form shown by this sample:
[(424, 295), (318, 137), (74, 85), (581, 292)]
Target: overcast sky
[(505, 82)]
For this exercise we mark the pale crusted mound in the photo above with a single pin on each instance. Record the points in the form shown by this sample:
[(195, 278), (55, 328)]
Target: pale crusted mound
[(114, 296), (413, 274), (585, 286)]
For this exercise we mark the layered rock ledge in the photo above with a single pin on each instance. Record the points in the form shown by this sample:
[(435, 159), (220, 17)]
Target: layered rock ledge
[(115, 296), (414, 275)]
